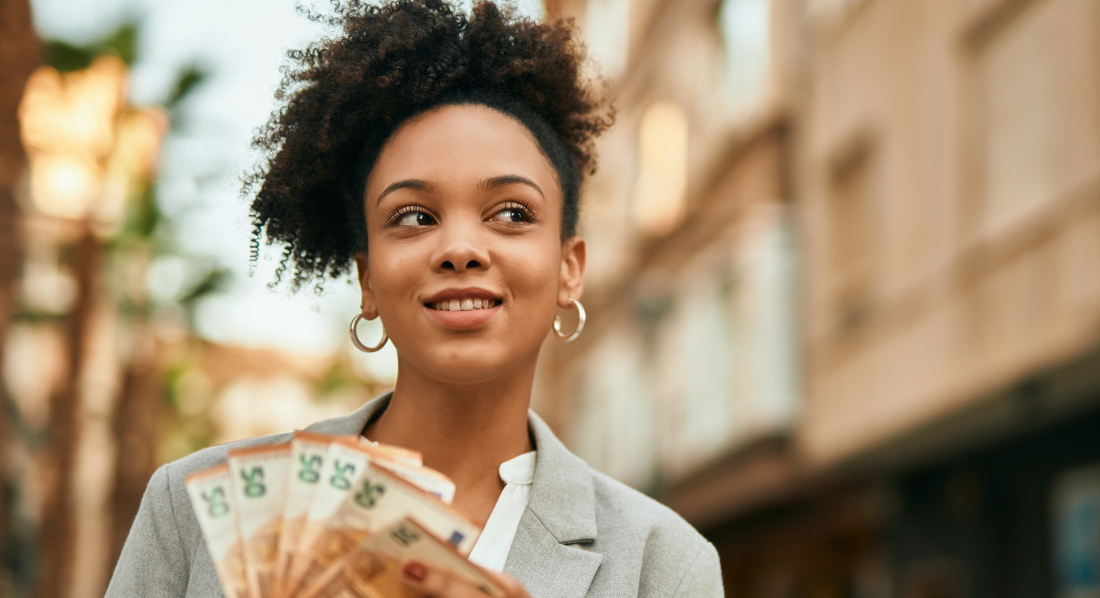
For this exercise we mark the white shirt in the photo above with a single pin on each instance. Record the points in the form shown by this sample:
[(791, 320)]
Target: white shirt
[(491, 549)]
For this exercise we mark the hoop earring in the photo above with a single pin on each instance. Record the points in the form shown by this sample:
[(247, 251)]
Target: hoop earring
[(580, 324), (358, 344)]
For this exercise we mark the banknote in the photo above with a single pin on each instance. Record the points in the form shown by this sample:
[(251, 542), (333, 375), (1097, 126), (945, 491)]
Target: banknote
[(409, 466), (373, 567), (258, 479), (390, 452), (367, 576), (307, 456), (342, 465), (425, 478), (212, 499), (378, 499)]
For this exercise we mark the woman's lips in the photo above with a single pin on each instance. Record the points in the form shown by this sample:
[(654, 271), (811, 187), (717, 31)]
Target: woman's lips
[(463, 320)]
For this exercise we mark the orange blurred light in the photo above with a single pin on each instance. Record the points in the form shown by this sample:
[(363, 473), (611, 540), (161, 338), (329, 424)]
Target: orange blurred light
[(70, 128), (89, 152), (63, 186), (662, 169), (74, 112)]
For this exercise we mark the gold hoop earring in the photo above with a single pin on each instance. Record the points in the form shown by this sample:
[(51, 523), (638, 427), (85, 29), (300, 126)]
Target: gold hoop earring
[(580, 324), (359, 344)]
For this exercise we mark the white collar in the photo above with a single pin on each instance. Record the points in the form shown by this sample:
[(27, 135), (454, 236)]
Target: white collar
[(494, 544)]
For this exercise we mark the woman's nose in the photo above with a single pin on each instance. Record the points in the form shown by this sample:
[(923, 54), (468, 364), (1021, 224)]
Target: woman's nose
[(460, 250)]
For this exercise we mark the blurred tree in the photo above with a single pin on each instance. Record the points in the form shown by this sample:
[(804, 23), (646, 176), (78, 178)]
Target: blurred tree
[(18, 57), (119, 232), (135, 422)]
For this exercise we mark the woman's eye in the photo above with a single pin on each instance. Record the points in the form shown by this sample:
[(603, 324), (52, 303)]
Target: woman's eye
[(414, 219), (514, 215)]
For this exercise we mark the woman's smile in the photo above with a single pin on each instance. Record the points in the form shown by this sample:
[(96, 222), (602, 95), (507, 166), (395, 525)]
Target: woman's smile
[(463, 308)]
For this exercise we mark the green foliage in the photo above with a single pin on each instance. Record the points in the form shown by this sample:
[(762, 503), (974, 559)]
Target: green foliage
[(65, 57), (216, 280), (186, 82), (122, 43), (143, 217), (337, 378)]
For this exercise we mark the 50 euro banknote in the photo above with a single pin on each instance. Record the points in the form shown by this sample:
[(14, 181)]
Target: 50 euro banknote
[(378, 499), (259, 481), (373, 568), (212, 499)]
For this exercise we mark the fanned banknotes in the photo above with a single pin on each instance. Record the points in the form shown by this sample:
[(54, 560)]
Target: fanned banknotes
[(329, 516)]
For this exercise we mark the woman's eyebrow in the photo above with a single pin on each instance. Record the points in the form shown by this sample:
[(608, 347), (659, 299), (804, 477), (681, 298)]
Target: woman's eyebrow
[(510, 179), (416, 184)]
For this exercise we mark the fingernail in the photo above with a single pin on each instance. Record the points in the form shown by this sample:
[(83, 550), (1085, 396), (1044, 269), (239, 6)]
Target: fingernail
[(416, 571)]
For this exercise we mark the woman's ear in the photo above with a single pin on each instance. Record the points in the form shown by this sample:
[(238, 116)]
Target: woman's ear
[(571, 280), (367, 305)]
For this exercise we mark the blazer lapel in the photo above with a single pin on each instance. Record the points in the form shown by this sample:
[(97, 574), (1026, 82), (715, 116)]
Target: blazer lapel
[(550, 555), (546, 567)]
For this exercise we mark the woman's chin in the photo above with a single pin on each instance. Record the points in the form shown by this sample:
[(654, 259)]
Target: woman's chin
[(469, 368)]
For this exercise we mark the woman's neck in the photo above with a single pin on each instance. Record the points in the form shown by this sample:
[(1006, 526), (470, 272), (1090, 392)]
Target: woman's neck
[(465, 432)]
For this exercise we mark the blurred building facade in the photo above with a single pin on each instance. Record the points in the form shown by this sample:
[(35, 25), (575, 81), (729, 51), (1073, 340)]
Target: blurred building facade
[(844, 291)]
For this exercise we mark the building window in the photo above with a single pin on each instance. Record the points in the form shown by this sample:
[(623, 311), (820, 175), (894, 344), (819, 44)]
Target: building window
[(851, 229), (658, 202), (1076, 529), (1038, 102), (745, 28)]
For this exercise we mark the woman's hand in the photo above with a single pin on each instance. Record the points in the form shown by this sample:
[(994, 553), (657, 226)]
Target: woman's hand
[(431, 582)]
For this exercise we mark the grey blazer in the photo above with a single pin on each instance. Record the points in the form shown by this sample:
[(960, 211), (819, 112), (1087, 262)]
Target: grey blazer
[(583, 533)]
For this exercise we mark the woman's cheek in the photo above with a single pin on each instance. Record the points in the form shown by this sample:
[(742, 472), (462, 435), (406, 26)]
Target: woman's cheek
[(535, 284), (394, 282)]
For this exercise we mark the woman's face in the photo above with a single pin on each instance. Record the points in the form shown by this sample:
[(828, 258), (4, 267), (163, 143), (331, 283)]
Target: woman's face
[(465, 262)]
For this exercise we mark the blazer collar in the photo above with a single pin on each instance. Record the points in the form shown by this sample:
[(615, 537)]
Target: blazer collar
[(562, 497), (354, 422)]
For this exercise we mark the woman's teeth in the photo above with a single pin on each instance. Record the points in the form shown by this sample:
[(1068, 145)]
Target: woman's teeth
[(465, 304)]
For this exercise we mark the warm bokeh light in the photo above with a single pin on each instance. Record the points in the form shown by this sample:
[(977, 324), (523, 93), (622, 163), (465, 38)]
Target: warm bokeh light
[(74, 112), (85, 149), (64, 186), (662, 168)]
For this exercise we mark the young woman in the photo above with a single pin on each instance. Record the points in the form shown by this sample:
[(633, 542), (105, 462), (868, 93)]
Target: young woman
[(443, 155)]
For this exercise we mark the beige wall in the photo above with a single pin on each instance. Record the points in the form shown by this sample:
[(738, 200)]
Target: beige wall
[(935, 167), (950, 168)]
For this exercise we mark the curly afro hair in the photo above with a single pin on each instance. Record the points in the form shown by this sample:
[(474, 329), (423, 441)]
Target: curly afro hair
[(343, 98)]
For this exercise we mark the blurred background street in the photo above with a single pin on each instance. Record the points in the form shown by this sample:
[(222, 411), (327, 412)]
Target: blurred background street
[(843, 292)]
